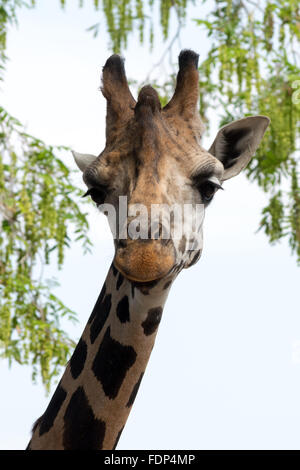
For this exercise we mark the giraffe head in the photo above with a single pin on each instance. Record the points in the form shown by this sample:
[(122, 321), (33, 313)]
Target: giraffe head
[(153, 163)]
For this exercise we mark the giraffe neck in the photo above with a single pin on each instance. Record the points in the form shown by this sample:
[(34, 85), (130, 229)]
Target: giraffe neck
[(92, 402)]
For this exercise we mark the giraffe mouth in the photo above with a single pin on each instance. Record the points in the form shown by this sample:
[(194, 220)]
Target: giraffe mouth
[(147, 280)]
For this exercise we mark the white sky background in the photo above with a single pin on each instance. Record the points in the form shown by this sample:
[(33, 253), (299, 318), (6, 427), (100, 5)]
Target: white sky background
[(225, 370)]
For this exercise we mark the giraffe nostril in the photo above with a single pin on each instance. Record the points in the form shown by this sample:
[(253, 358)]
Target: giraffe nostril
[(122, 243)]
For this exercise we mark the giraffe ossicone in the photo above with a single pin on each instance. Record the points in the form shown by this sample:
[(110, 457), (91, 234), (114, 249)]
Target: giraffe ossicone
[(153, 156)]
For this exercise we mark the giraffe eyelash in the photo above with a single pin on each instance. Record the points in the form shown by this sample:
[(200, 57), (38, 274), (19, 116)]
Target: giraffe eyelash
[(208, 188), (97, 195)]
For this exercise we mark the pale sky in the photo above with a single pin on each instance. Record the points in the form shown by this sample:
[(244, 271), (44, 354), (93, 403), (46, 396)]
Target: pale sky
[(225, 370)]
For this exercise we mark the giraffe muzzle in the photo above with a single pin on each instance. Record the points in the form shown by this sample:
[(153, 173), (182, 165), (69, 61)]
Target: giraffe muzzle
[(142, 261)]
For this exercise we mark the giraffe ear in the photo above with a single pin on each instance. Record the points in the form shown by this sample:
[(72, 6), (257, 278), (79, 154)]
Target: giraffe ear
[(83, 160), (236, 143)]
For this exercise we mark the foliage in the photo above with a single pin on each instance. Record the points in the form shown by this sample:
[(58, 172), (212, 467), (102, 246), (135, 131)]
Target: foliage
[(125, 16), (251, 68), (8, 16), (37, 214)]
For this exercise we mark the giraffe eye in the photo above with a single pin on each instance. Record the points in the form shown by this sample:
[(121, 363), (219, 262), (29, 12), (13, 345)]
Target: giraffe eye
[(97, 195), (208, 189)]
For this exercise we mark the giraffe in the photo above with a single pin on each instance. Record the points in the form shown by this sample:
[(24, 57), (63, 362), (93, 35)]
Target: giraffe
[(152, 155)]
